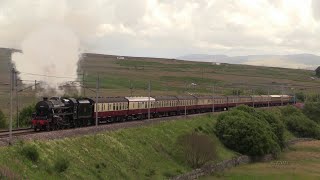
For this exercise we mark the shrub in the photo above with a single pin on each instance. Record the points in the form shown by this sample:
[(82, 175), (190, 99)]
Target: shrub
[(301, 126), (312, 111), (30, 152), (245, 133), (197, 149), (271, 119), (2, 120), (277, 126), (61, 164), (289, 110), (25, 115)]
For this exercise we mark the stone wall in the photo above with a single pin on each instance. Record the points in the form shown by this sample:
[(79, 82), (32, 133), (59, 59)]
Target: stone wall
[(209, 169)]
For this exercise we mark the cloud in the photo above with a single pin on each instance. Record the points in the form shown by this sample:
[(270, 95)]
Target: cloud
[(165, 28), (316, 9)]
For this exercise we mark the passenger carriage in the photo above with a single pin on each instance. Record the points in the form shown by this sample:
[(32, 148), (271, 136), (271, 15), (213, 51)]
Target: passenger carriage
[(166, 105), (111, 109), (139, 107), (187, 103)]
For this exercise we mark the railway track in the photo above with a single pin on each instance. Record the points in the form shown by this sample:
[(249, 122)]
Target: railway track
[(4, 134), (16, 132)]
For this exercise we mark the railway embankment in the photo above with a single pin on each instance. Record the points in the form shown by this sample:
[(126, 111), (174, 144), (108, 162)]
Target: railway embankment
[(128, 153)]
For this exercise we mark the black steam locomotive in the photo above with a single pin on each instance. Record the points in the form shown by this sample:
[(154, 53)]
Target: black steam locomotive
[(59, 113)]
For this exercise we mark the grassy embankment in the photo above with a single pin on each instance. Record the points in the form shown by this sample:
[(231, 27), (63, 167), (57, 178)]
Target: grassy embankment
[(136, 153)]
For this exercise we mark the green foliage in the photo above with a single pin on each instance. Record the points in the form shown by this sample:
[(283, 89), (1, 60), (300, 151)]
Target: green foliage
[(312, 111), (61, 164), (25, 115), (197, 149), (277, 126), (300, 97), (299, 124), (3, 121), (270, 118), (247, 132), (30, 152)]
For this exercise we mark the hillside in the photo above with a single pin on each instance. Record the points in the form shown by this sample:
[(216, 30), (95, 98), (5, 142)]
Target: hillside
[(295, 61), (130, 75)]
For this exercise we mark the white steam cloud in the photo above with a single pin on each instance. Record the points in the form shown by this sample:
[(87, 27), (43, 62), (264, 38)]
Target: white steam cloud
[(50, 54)]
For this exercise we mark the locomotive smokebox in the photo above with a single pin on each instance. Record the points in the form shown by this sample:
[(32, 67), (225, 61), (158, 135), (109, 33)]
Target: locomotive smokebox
[(45, 98)]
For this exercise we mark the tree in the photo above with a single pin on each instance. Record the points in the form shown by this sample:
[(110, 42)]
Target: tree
[(243, 132), (197, 149), (2, 120), (318, 72)]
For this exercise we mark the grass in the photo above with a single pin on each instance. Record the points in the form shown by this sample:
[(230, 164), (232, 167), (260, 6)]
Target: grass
[(301, 161), (135, 153)]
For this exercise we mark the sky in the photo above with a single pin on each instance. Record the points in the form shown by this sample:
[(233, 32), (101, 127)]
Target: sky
[(170, 28)]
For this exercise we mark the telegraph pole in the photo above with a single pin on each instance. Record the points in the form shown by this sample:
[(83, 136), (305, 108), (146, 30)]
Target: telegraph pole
[(17, 96), (11, 99), (294, 96), (83, 88), (268, 97), (149, 90), (212, 98), (35, 90), (131, 88), (185, 103), (97, 99), (281, 95), (253, 97)]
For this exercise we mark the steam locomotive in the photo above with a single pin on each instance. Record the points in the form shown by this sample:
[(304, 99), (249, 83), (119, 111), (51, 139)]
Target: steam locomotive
[(60, 113)]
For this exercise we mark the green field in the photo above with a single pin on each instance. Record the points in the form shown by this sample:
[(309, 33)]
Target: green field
[(137, 153), (301, 161)]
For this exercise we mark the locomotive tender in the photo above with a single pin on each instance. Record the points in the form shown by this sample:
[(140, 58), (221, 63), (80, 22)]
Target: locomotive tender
[(60, 113)]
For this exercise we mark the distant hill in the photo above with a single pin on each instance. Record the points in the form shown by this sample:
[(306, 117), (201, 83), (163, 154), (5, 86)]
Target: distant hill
[(295, 61)]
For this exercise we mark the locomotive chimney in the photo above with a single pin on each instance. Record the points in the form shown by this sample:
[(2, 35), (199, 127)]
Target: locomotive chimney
[(45, 98)]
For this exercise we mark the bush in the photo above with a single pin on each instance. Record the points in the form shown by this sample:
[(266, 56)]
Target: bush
[(312, 111), (245, 133), (3, 121), (274, 121), (301, 126), (197, 149), (30, 152), (25, 115), (271, 119), (61, 164)]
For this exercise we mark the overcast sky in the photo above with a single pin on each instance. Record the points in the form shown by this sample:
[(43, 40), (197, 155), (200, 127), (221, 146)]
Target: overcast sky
[(171, 28)]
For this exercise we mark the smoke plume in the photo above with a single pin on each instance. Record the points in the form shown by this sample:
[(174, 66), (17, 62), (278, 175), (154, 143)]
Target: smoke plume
[(50, 55)]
